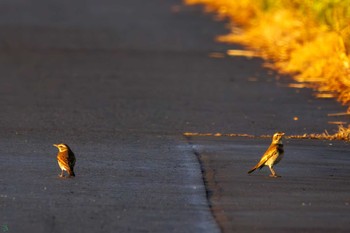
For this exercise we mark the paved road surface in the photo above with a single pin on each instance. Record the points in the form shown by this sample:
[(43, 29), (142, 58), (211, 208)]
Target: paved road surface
[(120, 81), (311, 196)]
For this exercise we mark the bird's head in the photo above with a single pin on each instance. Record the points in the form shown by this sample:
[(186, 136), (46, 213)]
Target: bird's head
[(277, 138), (61, 147)]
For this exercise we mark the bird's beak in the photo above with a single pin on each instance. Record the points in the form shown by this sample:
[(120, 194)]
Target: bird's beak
[(55, 145)]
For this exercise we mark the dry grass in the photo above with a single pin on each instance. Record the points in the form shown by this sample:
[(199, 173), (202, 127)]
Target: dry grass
[(342, 134), (309, 40), (192, 134)]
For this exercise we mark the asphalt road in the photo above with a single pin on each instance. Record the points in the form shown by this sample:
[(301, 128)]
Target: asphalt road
[(312, 194), (120, 81)]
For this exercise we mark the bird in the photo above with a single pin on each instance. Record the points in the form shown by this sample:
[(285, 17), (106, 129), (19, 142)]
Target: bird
[(66, 159), (272, 156)]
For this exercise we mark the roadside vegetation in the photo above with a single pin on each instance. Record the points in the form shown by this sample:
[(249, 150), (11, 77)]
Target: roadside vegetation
[(307, 39), (342, 134)]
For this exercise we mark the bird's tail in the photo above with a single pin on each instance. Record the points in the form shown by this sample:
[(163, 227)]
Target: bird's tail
[(71, 173), (251, 170)]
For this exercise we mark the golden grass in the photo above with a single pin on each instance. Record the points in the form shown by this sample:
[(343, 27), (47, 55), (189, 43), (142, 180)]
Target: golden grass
[(309, 40), (312, 44), (193, 134), (342, 134)]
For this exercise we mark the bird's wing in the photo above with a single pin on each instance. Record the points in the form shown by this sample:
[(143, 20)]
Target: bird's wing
[(72, 163), (71, 159), (271, 151)]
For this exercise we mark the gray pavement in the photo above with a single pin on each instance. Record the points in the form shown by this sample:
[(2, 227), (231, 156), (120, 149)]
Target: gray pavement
[(120, 81), (312, 194)]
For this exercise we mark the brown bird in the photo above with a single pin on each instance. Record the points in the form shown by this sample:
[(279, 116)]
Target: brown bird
[(272, 156), (65, 159)]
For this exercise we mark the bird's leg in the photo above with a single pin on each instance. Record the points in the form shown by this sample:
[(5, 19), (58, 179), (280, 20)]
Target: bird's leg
[(62, 175), (273, 173)]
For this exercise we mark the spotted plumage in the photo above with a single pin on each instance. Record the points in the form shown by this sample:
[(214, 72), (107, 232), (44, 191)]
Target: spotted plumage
[(66, 159), (272, 156)]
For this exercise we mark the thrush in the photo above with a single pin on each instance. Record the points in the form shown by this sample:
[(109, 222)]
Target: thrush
[(65, 159), (272, 156)]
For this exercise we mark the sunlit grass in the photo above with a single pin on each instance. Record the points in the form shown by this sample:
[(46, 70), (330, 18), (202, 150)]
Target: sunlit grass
[(308, 39), (342, 134)]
